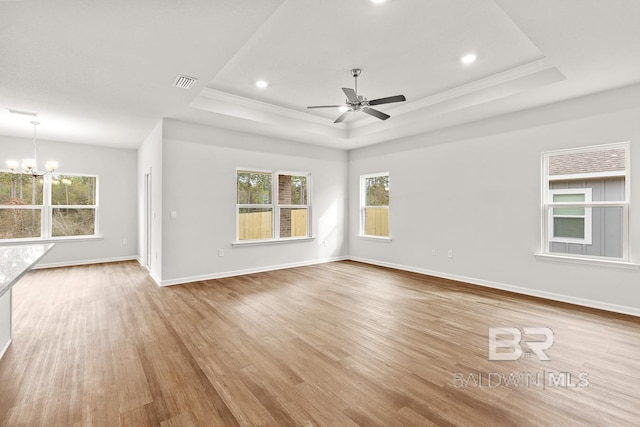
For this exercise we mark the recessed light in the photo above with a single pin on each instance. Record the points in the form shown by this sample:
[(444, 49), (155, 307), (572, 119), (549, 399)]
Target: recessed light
[(468, 59), (262, 84), (378, 1)]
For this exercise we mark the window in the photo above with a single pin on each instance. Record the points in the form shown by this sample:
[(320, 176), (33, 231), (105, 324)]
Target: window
[(292, 205), (374, 205), (570, 225), (44, 207), (260, 216), (21, 206), (73, 205), (586, 202)]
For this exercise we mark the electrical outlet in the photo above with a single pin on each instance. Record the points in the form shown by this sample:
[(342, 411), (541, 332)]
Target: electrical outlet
[(125, 242), (450, 253), (174, 214), (433, 252), (220, 252)]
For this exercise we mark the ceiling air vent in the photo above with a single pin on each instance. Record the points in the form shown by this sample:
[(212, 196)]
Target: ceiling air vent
[(184, 82)]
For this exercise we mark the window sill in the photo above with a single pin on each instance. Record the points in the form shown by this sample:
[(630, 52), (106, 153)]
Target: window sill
[(270, 242), (375, 238), (588, 261), (51, 240)]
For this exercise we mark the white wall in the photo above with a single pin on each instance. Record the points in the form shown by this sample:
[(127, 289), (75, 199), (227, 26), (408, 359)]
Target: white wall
[(150, 161), (116, 169), (199, 166), (477, 190)]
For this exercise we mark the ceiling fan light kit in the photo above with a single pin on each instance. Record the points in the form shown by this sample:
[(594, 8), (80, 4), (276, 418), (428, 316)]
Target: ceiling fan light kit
[(355, 102)]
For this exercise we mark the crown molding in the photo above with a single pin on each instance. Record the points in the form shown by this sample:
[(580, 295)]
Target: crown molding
[(537, 66), (407, 116), (240, 101)]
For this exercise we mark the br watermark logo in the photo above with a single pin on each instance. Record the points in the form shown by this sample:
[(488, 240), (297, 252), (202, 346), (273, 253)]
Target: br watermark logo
[(512, 344), (507, 343)]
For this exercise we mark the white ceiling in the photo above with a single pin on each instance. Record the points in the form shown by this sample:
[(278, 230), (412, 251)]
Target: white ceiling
[(102, 72)]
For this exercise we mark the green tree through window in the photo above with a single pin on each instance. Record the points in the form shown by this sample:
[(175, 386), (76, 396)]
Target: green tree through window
[(69, 208)]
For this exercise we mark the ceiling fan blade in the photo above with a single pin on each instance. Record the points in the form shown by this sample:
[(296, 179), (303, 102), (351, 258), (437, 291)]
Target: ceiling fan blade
[(387, 100), (351, 94), (342, 117), (376, 113), (326, 106)]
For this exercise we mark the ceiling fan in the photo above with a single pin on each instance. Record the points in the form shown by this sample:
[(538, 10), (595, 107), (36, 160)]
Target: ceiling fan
[(355, 102)]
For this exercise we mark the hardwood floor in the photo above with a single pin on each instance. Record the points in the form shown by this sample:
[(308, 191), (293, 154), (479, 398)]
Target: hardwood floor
[(340, 344)]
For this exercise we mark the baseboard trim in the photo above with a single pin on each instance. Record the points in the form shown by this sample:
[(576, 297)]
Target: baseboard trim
[(85, 262), (183, 280), (632, 311), (155, 278), (6, 347), (622, 309)]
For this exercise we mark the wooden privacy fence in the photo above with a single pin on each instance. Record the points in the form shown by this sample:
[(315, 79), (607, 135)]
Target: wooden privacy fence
[(376, 222), (298, 223), (258, 225)]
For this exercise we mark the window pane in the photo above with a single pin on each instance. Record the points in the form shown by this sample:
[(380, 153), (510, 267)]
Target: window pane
[(255, 223), (568, 211), (254, 188), (377, 191), (292, 190), (73, 222), (20, 223), (568, 227), (606, 234), (568, 198), (73, 190), (293, 222), (376, 222), (20, 189)]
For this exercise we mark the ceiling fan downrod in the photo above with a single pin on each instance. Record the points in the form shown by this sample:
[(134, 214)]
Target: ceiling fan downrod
[(355, 72)]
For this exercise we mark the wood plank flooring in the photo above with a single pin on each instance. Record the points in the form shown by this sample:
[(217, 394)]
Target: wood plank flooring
[(339, 344)]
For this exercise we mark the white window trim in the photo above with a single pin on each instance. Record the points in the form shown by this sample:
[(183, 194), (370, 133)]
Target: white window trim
[(545, 253), (362, 229), (47, 211), (588, 224), (275, 207), (276, 198), (49, 207)]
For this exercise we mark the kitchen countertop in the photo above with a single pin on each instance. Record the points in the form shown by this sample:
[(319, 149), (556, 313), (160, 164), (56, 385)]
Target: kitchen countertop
[(17, 260)]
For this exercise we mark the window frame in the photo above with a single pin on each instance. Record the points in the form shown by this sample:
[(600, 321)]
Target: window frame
[(46, 221), (275, 206), (51, 207), (364, 206), (280, 206), (37, 207), (588, 224), (548, 205)]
